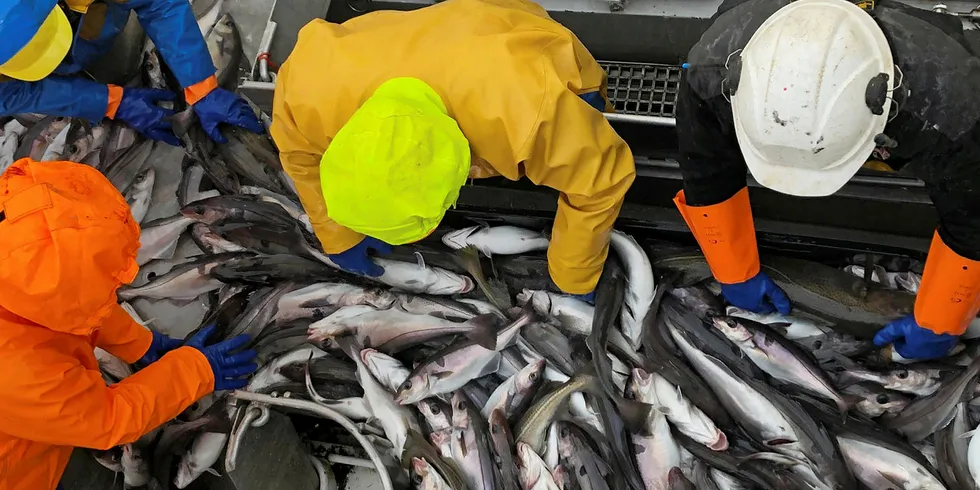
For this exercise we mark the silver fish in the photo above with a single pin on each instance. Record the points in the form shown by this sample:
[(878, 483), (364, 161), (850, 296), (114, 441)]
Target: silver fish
[(514, 395), (499, 240), (203, 453), (926, 415), (655, 448), (128, 164), (640, 285), (439, 417), (56, 147), (470, 445), (780, 358), (417, 279), (224, 43), (952, 451), (112, 365), (653, 389), (158, 238), (88, 144), (880, 467), (319, 300), (503, 442), (430, 479), (12, 131), (254, 161), (394, 330), (135, 468), (531, 470), (582, 466), (184, 282), (574, 315), (189, 189), (919, 381), (138, 195), (386, 369), (872, 400), (438, 306), (699, 299), (458, 364), (533, 427), (211, 242)]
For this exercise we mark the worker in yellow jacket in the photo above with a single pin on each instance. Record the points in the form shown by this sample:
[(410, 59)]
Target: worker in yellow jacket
[(382, 119)]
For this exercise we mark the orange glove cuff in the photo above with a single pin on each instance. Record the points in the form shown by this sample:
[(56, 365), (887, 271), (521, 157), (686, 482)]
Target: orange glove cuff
[(949, 296), (200, 89), (115, 97), (726, 233)]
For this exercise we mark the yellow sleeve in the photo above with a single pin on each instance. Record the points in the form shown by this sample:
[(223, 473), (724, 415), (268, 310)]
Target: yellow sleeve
[(122, 337), (575, 151), (301, 160)]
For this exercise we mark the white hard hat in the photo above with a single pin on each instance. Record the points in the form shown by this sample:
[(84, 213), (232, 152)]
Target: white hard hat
[(800, 110)]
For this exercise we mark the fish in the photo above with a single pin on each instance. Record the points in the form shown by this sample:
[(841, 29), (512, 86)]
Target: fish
[(414, 278), (503, 442), (267, 270), (438, 417), (111, 459), (12, 131), (206, 12), (778, 357), (418, 448), (224, 44), (158, 238), (952, 451), (470, 444), (394, 330), (928, 414), (270, 373), (459, 363), (532, 471), (699, 299), (203, 453), (212, 243), (317, 301), (266, 238), (497, 292), (514, 395), (850, 305), (139, 193), (321, 368), (768, 417), (655, 448), (397, 420), (640, 286), (654, 389), (90, 142), (135, 468), (127, 164), (253, 159), (112, 366), (386, 369), (152, 69), (497, 240), (55, 149), (189, 189), (237, 208), (36, 140), (677, 481), (916, 380), (872, 400), (582, 465), (574, 315), (258, 313), (532, 429), (119, 138), (428, 477), (973, 455), (184, 282), (442, 307), (286, 203), (198, 147)]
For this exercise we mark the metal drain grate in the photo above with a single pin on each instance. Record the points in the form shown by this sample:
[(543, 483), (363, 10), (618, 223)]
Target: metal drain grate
[(644, 89)]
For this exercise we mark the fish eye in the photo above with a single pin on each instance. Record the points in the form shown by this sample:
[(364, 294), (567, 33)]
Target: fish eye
[(416, 479), (563, 431), (461, 405), (533, 376), (882, 398), (817, 344), (434, 407), (407, 385), (903, 374), (630, 395), (199, 209)]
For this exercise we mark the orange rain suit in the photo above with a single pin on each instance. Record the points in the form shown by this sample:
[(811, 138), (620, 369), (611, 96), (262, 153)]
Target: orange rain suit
[(511, 78), (67, 242)]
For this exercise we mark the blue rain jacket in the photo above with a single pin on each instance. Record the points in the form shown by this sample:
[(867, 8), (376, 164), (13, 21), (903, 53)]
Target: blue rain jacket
[(169, 23)]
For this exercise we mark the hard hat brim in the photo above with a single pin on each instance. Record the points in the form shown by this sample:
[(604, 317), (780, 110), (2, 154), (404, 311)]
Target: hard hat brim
[(44, 52), (802, 182)]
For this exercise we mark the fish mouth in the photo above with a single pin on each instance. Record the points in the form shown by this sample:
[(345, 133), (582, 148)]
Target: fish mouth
[(468, 285), (721, 442)]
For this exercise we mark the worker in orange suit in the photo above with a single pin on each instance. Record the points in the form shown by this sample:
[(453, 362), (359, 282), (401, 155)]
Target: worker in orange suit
[(67, 242), (382, 119)]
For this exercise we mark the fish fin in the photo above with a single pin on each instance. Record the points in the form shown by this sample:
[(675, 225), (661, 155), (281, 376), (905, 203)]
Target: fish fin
[(778, 441), (894, 481), (967, 435), (776, 458), (442, 374), (213, 472), (420, 259), (484, 330), (781, 327), (635, 414)]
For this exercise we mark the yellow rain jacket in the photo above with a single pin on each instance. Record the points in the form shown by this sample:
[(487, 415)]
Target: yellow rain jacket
[(508, 74)]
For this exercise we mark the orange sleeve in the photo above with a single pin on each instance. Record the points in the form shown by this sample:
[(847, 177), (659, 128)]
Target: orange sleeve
[(115, 97), (949, 296), (199, 90), (726, 234), (49, 397), (123, 337)]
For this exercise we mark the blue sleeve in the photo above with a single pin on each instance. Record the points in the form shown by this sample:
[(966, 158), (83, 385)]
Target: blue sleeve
[(171, 26), (55, 96)]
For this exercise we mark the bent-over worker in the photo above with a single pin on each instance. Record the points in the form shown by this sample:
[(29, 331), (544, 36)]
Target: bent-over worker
[(67, 242), (46, 44), (382, 119), (803, 93)]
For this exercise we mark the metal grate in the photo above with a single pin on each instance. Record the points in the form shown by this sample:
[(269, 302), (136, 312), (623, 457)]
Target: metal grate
[(644, 89)]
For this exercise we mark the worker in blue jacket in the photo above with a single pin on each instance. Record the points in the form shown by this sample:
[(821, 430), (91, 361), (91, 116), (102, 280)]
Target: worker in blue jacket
[(46, 43)]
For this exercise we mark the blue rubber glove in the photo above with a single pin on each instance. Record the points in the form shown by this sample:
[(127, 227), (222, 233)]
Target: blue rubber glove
[(758, 294), (221, 106), (138, 108), (161, 345), (914, 342), (356, 260), (588, 298), (230, 368)]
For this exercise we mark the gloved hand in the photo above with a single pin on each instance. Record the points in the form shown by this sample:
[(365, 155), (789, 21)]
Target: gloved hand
[(230, 368), (914, 342), (588, 297), (356, 260), (752, 295), (222, 106), (138, 108), (161, 345)]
